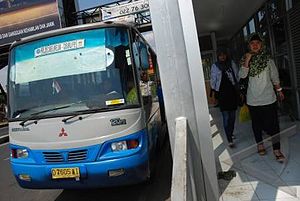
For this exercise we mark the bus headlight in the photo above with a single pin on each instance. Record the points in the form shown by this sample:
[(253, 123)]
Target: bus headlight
[(124, 145), (119, 146), (19, 153)]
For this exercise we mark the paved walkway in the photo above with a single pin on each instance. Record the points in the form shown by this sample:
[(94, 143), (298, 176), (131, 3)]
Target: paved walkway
[(257, 177)]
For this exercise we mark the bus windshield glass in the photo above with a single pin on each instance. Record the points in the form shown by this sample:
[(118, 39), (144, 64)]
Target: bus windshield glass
[(75, 72)]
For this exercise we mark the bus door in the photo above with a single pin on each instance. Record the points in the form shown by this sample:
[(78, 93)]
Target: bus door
[(147, 72)]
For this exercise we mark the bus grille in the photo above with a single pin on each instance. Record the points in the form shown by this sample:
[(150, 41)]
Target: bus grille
[(79, 155), (53, 157), (72, 156)]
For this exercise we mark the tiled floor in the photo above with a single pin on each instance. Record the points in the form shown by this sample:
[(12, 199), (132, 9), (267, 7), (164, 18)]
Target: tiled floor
[(257, 177)]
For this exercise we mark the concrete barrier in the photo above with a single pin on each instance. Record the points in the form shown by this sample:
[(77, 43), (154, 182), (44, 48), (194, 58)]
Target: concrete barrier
[(179, 177), (188, 173)]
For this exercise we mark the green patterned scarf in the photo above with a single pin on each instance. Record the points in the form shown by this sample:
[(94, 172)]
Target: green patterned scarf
[(258, 61)]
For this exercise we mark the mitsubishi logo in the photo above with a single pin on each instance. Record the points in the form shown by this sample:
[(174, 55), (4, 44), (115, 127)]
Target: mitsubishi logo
[(62, 133)]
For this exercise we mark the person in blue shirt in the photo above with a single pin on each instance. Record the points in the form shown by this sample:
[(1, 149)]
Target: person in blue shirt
[(224, 81)]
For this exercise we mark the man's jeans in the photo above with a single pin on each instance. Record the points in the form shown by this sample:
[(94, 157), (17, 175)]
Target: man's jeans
[(228, 123)]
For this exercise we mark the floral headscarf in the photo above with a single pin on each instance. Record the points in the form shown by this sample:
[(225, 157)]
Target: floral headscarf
[(258, 61)]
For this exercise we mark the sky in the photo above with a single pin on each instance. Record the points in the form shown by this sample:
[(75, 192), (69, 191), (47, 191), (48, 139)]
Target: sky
[(84, 4)]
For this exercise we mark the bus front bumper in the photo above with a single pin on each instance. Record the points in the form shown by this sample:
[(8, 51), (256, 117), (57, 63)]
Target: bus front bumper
[(122, 171), (104, 169)]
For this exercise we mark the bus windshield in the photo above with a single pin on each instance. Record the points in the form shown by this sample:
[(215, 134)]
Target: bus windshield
[(79, 71)]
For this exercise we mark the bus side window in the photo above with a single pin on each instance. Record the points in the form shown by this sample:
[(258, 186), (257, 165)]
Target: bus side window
[(145, 87), (147, 76), (152, 72)]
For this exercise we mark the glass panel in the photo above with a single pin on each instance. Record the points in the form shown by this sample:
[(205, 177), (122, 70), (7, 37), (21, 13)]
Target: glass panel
[(75, 72), (284, 72), (245, 32), (287, 107), (277, 9), (148, 88), (152, 74), (252, 26), (207, 61), (262, 20), (265, 34), (280, 37), (239, 46), (205, 43), (295, 2), (261, 15)]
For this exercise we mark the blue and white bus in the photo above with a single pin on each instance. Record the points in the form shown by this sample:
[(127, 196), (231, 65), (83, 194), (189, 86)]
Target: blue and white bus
[(83, 107)]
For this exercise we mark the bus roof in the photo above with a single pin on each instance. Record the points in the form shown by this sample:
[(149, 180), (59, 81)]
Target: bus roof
[(70, 30)]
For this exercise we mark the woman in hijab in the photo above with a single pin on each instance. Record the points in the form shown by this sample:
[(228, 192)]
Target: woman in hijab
[(224, 82), (261, 98)]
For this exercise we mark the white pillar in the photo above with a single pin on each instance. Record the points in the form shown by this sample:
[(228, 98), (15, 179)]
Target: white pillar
[(184, 88)]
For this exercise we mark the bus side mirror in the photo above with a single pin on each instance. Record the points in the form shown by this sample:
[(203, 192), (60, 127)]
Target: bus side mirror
[(140, 54), (135, 49), (144, 57)]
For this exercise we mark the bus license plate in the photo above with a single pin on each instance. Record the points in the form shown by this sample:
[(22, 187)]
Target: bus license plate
[(62, 173)]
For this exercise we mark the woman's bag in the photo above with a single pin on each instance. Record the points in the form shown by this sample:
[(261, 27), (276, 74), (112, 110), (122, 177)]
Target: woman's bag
[(244, 114)]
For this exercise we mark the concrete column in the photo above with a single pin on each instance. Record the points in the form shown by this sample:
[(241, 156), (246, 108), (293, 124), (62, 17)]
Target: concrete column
[(184, 88)]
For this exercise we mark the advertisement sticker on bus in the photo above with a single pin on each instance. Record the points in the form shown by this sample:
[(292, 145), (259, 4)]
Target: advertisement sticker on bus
[(115, 102), (59, 47)]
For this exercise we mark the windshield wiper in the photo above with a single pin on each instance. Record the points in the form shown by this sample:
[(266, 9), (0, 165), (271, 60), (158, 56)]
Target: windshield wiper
[(65, 120), (102, 109), (33, 115), (77, 113)]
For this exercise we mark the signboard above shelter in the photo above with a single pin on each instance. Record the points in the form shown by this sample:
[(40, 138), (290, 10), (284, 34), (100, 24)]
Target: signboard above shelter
[(125, 9), (20, 18)]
